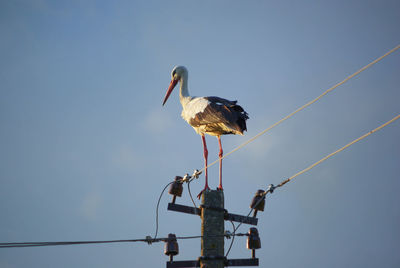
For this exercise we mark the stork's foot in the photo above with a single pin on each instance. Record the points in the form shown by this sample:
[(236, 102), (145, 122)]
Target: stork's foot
[(205, 189), (219, 188)]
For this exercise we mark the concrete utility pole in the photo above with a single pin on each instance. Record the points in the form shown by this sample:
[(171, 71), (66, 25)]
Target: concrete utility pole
[(212, 229), (212, 215)]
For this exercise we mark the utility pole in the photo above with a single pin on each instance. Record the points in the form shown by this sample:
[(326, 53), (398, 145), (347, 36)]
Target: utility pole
[(213, 215), (212, 229)]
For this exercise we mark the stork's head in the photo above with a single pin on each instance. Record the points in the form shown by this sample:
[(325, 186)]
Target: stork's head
[(177, 74)]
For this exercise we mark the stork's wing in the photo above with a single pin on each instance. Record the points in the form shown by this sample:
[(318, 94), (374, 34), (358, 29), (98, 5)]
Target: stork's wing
[(228, 103), (218, 100), (219, 112)]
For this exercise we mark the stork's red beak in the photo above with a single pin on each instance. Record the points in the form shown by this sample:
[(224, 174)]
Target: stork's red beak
[(170, 88)]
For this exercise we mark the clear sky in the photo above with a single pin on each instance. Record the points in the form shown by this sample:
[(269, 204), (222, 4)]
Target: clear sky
[(86, 146)]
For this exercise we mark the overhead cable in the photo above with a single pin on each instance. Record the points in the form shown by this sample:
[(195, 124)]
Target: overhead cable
[(271, 187), (148, 240), (305, 105), (158, 205), (339, 150)]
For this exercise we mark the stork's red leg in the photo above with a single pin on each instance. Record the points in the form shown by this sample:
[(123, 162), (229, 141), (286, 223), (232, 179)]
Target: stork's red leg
[(205, 165), (221, 153)]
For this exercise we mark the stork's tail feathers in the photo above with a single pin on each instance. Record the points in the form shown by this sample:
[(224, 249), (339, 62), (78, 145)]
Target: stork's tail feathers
[(242, 117)]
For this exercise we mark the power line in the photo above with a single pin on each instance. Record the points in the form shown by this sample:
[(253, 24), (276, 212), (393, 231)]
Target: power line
[(305, 105), (196, 173), (272, 188), (187, 179), (233, 239), (158, 205), (339, 150), (66, 243), (150, 240), (190, 193)]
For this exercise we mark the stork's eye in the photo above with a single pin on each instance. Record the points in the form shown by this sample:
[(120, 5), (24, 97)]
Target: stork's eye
[(173, 73)]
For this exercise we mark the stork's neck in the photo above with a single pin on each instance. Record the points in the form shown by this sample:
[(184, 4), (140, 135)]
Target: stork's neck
[(183, 91)]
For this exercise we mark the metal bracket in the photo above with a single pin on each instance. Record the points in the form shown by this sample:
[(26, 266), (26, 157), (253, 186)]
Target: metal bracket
[(231, 262), (173, 264), (227, 216)]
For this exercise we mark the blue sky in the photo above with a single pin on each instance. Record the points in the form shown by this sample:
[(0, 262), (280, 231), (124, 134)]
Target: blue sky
[(86, 147)]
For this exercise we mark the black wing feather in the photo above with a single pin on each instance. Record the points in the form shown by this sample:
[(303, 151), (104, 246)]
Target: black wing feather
[(222, 111)]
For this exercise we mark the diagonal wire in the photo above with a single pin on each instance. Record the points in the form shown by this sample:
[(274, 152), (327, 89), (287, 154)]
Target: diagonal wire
[(305, 105), (272, 188), (338, 150), (289, 116)]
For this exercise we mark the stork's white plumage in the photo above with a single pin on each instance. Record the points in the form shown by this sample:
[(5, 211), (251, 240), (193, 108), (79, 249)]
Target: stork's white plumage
[(208, 115)]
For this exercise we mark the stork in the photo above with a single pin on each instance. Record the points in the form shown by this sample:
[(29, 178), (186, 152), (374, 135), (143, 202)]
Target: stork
[(207, 115)]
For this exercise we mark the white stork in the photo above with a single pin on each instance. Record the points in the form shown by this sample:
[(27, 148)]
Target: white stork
[(208, 115)]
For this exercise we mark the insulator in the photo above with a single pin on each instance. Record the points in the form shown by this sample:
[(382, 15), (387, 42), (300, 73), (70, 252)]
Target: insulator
[(176, 188), (253, 240), (258, 202), (171, 247)]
